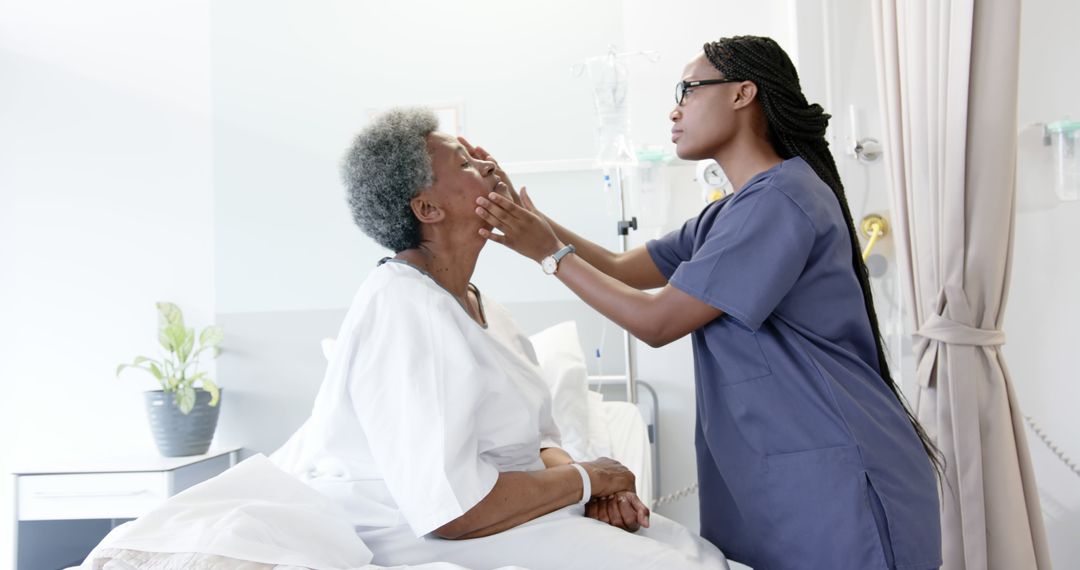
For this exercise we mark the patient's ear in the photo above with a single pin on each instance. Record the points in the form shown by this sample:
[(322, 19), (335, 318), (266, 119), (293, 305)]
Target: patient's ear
[(425, 210)]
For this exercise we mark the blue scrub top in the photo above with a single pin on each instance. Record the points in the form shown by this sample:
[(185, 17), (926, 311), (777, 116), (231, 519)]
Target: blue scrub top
[(805, 457)]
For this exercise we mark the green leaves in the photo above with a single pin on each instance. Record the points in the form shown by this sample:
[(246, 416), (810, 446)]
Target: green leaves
[(181, 357), (186, 338), (185, 398), (211, 336), (172, 334), (169, 314), (209, 386), (146, 364)]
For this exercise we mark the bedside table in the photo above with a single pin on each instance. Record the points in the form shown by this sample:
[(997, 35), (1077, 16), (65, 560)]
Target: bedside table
[(64, 508)]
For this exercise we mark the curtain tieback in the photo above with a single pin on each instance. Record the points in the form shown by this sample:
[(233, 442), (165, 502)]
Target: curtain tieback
[(951, 332), (939, 330)]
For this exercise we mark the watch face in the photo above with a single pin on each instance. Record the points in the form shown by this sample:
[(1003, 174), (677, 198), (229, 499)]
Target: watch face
[(549, 265)]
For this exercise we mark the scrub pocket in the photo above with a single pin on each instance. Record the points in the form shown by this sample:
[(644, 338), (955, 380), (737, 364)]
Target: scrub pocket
[(737, 351), (821, 513)]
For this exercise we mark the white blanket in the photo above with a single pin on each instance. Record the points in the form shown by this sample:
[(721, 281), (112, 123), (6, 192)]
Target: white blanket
[(252, 517)]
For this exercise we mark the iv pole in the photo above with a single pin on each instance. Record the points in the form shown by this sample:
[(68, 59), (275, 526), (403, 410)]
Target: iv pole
[(613, 113), (623, 228)]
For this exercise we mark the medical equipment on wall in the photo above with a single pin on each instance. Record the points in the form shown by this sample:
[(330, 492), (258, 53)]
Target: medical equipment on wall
[(1062, 136), (866, 149), (648, 188), (874, 227), (714, 183)]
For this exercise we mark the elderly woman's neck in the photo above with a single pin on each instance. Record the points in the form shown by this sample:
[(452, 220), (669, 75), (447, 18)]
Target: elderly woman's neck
[(451, 267)]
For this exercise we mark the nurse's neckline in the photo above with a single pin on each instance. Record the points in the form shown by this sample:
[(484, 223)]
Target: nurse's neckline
[(757, 177), (753, 180), (474, 288)]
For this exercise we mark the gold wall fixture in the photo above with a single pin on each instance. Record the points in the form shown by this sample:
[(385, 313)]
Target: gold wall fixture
[(874, 227)]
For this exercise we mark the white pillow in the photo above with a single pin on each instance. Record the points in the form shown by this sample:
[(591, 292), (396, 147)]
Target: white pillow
[(563, 367)]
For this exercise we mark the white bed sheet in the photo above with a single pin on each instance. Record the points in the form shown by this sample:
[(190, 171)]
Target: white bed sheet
[(121, 559), (252, 517)]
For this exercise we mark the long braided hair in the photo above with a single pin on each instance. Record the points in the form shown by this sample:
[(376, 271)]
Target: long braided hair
[(797, 128)]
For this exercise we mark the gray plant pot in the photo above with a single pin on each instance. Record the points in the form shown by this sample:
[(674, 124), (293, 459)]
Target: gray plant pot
[(176, 434)]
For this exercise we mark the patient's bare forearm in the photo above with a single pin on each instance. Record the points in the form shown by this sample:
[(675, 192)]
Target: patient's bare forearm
[(555, 456), (517, 497)]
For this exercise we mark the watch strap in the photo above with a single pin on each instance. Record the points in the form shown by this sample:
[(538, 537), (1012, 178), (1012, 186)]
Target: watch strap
[(567, 250)]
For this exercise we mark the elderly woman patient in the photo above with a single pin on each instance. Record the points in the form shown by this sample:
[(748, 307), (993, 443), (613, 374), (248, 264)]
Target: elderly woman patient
[(433, 426)]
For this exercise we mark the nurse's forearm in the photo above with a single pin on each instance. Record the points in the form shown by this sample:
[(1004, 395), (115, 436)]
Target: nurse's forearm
[(597, 255), (517, 497), (627, 307), (654, 319), (634, 268)]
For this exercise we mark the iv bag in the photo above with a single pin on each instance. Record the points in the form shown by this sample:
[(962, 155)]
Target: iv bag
[(610, 83)]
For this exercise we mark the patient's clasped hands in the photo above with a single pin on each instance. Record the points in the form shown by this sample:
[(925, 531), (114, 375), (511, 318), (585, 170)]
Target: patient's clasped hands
[(623, 509), (615, 500)]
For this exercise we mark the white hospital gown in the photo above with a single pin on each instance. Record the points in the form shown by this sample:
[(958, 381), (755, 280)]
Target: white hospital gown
[(421, 409)]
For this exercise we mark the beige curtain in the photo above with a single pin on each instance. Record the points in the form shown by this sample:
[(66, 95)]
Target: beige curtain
[(947, 77)]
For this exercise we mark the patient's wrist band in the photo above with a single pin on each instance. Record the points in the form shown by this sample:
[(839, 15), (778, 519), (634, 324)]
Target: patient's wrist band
[(586, 484)]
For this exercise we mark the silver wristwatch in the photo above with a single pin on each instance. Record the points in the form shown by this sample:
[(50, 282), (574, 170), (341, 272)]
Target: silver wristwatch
[(550, 264)]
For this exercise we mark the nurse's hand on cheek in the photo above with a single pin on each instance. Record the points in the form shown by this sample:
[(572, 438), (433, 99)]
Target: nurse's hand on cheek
[(479, 153), (521, 228), (624, 510)]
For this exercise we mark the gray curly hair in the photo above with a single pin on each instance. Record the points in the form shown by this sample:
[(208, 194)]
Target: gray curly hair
[(387, 164)]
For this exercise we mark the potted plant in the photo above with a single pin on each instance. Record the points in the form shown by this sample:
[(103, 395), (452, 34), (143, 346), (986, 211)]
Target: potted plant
[(182, 417)]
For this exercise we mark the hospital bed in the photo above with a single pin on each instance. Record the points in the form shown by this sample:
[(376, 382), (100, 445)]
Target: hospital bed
[(273, 366)]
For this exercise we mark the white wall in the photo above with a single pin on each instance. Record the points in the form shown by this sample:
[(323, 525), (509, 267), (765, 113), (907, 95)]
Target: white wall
[(105, 207), (1044, 305), (290, 92)]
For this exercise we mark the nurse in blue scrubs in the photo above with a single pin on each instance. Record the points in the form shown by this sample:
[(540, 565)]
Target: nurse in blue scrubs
[(807, 455)]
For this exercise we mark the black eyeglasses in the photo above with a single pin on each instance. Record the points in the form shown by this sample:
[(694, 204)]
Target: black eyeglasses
[(682, 86)]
